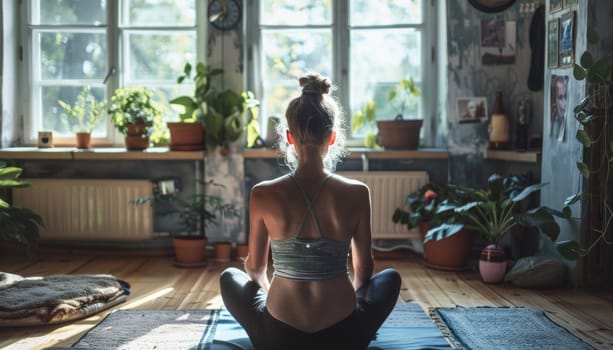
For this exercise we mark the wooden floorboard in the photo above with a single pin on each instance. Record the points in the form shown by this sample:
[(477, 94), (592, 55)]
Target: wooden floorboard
[(156, 283)]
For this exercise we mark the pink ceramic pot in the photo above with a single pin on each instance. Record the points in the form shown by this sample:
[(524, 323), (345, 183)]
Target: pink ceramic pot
[(492, 264)]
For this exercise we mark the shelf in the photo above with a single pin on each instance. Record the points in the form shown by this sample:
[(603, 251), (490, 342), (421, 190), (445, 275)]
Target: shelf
[(98, 153), (533, 156)]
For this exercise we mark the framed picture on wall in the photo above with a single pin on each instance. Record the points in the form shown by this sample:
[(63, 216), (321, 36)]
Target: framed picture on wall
[(553, 28), (570, 3), (472, 109), (555, 5), (567, 40)]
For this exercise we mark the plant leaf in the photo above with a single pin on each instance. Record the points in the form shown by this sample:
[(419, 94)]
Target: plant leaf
[(584, 138), (569, 249), (572, 199), (583, 169), (527, 191), (579, 73), (443, 231), (598, 71), (581, 105), (587, 60)]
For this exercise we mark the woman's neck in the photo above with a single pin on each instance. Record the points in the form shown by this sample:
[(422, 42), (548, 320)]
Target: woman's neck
[(310, 161)]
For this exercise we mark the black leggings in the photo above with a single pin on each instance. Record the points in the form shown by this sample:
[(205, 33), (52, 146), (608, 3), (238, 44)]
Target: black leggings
[(246, 301)]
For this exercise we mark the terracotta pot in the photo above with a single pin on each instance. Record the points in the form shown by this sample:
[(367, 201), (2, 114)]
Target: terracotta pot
[(492, 264), (137, 143), (399, 134), (136, 129), (190, 251), (242, 250), (451, 253), (186, 136), (223, 251), (84, 140)]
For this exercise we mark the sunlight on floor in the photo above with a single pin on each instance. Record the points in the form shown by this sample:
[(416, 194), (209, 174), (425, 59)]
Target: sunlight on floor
[(143, 300)]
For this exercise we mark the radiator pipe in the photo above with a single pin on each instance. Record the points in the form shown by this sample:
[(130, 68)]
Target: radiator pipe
[(364, 162)]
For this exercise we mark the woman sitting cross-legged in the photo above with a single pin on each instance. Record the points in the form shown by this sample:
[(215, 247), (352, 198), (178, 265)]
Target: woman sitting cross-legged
[(310, 219)]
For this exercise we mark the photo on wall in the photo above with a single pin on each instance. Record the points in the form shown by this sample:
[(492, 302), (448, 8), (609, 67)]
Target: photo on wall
[(555, 5), (472, 109), (567, 40), (553, 28), (498, 41), (570, 3), (559, 106)]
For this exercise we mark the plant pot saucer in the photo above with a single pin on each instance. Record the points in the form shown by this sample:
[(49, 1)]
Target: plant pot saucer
[(447, 268), (198, 264)]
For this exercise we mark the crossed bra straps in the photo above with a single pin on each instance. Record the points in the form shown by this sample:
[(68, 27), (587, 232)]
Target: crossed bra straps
[(309, 259)]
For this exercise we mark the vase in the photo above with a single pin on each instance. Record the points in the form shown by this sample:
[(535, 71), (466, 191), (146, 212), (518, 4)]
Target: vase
[(492, 264), (186, 136)]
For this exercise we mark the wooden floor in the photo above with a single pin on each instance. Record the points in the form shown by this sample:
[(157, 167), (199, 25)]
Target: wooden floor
[(157, 284)]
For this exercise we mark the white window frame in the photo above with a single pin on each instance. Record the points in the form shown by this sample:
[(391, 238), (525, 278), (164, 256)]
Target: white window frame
[(115, 63), (340, 64)]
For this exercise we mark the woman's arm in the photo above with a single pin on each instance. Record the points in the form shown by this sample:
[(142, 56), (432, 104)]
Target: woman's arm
[(256, 263), (361, 250)]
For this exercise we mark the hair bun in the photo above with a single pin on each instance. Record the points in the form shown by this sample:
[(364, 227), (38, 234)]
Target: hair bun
[(314, 84)]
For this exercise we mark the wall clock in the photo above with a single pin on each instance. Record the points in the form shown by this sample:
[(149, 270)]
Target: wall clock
[(491, 5), (224, 14)]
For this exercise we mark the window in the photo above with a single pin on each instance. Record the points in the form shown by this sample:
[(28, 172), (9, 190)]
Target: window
[(365, 46), (103, 44)]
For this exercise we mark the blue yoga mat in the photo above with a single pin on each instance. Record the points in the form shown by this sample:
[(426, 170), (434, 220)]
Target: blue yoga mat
[(407, 328)]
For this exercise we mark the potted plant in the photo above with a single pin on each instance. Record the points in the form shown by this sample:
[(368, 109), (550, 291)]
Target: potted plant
[(196, 212), (365, 118), (493, 212), (83, 116), (403, 131), (221, 112), (422, 211), (17, 224), (134, 113), (594, 113)]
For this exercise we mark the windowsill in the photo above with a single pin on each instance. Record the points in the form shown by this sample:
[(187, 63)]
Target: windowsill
[(98, 153), (163, 153)]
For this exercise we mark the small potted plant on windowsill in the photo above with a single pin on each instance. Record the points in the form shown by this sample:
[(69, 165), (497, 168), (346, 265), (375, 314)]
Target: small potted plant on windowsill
[(403, 131), (196, 212), (17, 224), (83, 116), (366, 119), (134, 113)]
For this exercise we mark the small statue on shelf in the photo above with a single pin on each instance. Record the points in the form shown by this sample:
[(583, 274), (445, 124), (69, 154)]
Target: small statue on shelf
[(522, 130)]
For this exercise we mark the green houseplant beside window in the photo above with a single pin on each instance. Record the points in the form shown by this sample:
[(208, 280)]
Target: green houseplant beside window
[(17, 224), (403, 131)]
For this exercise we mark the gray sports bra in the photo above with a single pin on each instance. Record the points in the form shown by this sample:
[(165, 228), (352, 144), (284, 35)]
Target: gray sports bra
[(309, 259)]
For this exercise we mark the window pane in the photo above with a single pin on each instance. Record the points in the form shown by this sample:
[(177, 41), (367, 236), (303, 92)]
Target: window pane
[(68, 12), (159, 13), (398, 57), (384, 12), (158, 57), (286, 55), (69, 55), (295, 12), (52, 112)]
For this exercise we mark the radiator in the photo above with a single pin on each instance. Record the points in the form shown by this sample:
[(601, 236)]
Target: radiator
[(388, 191), (89, 209)]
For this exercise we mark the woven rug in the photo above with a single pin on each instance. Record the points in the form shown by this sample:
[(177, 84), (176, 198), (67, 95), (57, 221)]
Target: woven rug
[(152, 329), (508, 328), (408, 327)]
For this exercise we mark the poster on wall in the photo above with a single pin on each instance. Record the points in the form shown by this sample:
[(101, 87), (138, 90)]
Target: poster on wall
[(472, 109), (498, 41), (553, 28), (559, 103), (555, 5), (567, 40)]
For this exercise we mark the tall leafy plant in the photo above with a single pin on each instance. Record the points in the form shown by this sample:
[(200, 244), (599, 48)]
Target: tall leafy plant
[(85, 114), (17, 224), (596, 136)]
